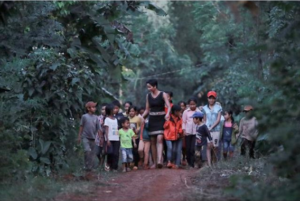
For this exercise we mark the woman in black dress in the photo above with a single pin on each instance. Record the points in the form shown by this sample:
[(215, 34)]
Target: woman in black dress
[(155, 106)]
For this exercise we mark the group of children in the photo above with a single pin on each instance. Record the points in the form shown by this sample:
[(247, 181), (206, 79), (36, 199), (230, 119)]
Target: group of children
[(193, 136)]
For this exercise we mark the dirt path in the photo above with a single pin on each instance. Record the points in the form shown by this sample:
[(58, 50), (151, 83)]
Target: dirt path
[(142, 185)]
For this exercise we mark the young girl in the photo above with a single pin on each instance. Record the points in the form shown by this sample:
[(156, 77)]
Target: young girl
[(173, 135), (182, 105), (144, 145), (189, 131), (228, 132), (202, 135), (127, 139), (100, 152), (112, 136), (212, 117), (135, 124)]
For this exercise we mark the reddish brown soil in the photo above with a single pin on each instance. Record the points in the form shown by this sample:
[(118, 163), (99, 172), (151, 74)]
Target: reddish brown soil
[(144, 185)]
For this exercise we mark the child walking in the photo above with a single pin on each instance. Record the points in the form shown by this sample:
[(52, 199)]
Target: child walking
[(89, 128), (212, 116), (228, 134), (135, 125), (202, 135), (144, 145), (189, 131), (100, 150), (248, 131), (182, 104), (127, 138), (173, 136), (112, 136)]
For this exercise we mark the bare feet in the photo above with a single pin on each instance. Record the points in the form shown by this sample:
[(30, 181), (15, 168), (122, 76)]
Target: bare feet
[(153, 166)]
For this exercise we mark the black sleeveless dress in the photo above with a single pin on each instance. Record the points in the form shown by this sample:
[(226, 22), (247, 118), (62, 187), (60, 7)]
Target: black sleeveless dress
[(157, 114)]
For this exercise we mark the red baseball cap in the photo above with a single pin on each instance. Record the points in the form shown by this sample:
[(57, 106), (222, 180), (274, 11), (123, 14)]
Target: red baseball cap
[(212, 93), (90, 104), (248, 108)]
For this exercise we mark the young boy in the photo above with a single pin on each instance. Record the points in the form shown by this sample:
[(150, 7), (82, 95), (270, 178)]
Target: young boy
[(126, 137), (117, 112), (248, 131), (201, 137), (89, 128), (100, 151)]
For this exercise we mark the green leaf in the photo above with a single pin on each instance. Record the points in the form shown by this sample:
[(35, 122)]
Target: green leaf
[(44, 145), (32, 152), (45, 160), (30, 91), (74, 81), (54, 66), (156, 9)]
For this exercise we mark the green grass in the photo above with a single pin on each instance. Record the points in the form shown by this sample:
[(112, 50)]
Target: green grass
[(217, 183)]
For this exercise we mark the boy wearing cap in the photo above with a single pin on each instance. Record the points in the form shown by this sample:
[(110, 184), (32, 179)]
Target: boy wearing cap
[(89, 128), (202, 135), (248, 131), (212, 117)]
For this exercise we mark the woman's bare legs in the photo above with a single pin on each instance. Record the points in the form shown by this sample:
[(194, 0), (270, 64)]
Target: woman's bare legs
[(160, 148), (141, 152), (146, 153), (153, 150)]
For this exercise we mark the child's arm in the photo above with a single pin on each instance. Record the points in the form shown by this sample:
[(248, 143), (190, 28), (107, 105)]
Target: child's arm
[(133, 139), (240, 129), (216, 122), (166, 125), (100, 134), (79, 135), (106, 134), (82, 121), (180, 131), (139, 123), (184, 117)]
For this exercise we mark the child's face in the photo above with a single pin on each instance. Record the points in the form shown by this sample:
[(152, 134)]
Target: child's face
[(192, 105), (211, 100), (103, 110), (126, 107), (248, 114), (126, 124), (132, 112), (116, 110), (142, 112), (227, 116), (182, 106), (177, 113), (92, 109), (196, 120)]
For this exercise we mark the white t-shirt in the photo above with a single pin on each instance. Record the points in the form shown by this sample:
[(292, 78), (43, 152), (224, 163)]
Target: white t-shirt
[(113, 133)]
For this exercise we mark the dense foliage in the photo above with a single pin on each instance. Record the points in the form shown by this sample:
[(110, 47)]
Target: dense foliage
[(57, 55)]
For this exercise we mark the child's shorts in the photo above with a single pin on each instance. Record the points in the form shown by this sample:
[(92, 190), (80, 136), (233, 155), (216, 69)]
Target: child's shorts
[(127, 156), (98, 150), (215, 138), (227, 146)]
